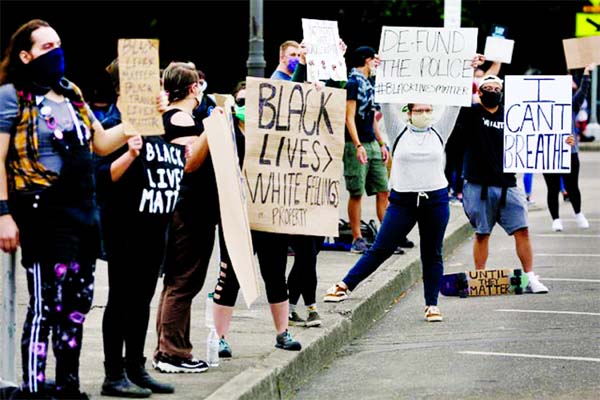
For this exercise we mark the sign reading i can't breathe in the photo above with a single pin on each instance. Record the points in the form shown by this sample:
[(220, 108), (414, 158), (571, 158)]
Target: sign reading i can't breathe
[(537, 122), (426, 65), (293, 163)]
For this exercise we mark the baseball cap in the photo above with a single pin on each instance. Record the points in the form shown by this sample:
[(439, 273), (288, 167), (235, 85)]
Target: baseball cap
[(489, 79), (360, 54)]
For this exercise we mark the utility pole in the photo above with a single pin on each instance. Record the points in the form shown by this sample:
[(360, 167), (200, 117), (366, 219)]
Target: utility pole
[(256, 61), (593, 128), (9, 326)]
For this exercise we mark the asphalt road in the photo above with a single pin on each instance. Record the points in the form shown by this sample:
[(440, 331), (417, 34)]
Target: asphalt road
[(501, 347)]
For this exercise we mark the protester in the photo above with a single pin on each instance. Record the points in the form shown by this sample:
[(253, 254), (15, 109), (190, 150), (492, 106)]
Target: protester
[(571, 179), (288, 60), (491, 196), (134, 234), (271, 249), (47, 201), (192, 230), (365, 151)]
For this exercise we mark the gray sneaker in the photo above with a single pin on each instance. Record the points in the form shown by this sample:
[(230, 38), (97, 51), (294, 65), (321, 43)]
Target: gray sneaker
[(285, 341), (359, 246), (295, 320), (314, 319)]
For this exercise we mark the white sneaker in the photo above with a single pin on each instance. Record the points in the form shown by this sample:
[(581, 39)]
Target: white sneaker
[(582, 221), (433, 314), (535, 286), (557, 225)]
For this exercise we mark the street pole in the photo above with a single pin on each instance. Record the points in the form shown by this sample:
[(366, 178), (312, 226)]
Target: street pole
[(8, 328), (452, 11), (593, 128), (256, 61)]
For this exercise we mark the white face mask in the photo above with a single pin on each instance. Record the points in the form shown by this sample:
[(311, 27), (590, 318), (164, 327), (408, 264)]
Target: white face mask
[(421, 121), (372, 69)]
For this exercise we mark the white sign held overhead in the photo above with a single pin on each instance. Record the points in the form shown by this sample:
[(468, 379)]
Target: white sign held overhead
[(452, 10), (324, 58), (537, 122), (499, 49), (426, 65)]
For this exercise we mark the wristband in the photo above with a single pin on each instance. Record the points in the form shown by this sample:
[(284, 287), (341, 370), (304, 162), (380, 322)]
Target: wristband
[(4, 210), (381, 143), (358, 145)]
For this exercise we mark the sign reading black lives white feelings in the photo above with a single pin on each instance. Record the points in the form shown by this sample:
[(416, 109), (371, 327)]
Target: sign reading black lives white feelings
[(537, 122), (163, 165), (293, 162), (324, 58), (139, 83), (426, 65)]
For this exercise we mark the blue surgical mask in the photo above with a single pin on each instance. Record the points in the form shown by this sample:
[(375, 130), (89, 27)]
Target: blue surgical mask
[(292, 64)]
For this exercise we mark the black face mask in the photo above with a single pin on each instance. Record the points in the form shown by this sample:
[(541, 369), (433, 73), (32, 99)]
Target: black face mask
[(47, 70), (490, 99)]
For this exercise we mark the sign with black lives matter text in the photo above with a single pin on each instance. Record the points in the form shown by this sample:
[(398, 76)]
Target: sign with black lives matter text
[(426, 65), (139, 84), (293, 162), (537, 122), (163, 165)]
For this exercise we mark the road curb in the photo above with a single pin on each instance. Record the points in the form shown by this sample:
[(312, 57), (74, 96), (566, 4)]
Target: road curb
[(280, 373)]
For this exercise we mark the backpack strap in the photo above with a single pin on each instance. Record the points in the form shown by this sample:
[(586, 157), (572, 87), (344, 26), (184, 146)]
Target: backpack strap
[(405, 129)]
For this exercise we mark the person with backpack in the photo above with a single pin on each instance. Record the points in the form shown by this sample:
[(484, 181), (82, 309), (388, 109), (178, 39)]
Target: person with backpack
[(418, 195)]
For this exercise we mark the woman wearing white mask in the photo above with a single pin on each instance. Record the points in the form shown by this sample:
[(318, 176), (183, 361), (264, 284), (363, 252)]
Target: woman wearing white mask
[(418, 196)]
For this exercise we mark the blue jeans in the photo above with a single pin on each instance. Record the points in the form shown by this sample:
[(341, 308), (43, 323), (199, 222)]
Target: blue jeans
[(431, 211)]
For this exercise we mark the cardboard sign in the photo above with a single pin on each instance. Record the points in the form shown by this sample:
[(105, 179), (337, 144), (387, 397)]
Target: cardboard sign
[(537, 122), (499, 49), (139, 81), (293, 163), (426, 65), (232, 203), (324, 58), (582, 51)]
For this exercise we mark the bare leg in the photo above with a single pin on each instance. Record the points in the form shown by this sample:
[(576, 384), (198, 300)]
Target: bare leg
[(280, 313), (354, 213), (381, 202), (481, 250), (222, 317), (524, 251)]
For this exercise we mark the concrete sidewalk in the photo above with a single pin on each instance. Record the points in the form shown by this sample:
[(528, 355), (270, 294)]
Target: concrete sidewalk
[(258, 369)]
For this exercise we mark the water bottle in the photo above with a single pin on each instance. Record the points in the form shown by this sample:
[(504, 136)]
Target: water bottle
[(208, 312), (212, 348)]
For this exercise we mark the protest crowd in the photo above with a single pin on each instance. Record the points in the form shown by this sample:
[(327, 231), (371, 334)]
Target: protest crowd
[(150, 183)]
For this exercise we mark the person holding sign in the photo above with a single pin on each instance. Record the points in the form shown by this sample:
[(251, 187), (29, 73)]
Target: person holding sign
[(137, 188), (192, 231), (47, 201), (288, 60), (571, 179), (365, 153), (491, 196)]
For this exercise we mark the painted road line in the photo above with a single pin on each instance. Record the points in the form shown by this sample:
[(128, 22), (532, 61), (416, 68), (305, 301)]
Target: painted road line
[(571, 280), (565, 255), (566, 235), (549, 312), (485, 353)]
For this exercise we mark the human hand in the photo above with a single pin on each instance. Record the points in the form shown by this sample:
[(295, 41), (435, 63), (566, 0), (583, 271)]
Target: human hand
[(303, 51), (162, 101), (589, 68), (385, 153), (135, 144), (570, 140), (9, 234), (361, 154), (477, 60)]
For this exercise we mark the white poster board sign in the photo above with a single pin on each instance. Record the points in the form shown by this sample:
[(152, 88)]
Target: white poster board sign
[(498, 49), (293, 163), (324, 58), (232, 203), (537, 121), (452, 11), (426, 65)]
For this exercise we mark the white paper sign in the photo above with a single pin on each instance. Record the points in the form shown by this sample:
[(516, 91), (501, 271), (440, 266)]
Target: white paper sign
[(426, 65), (537, 121), (452, 11), (499, 49), (324, 58)]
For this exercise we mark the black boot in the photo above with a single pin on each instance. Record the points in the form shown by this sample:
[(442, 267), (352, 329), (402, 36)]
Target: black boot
[(136, 371), (117, 384)]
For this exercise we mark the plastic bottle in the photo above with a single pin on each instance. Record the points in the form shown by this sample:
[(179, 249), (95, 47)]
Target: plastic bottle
[(212, 348), (208, 312)]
